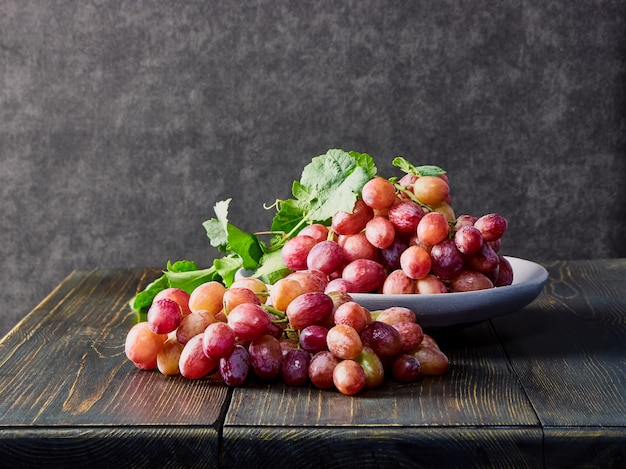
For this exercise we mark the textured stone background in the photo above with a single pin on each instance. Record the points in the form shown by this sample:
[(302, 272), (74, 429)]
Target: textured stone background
[(123, 122)]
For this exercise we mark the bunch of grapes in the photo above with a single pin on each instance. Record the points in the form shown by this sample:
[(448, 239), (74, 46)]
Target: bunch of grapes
[(403, 238), (294, 332)]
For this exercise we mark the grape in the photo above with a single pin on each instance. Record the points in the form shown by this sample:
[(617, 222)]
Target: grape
[(295, 367), (169, 357), (380, 232), (415, 262), (338, 285), (164, 316), (249, 321), (288, 343), (284, 291), (397, 282), (372, 366), (309, 281), (207, 296), (468, 239), (446, 259), (484, 260), (349, 377), (405, 215), (431, 190), (465, 220), (218, 340), (352, 314), (265, 356), (446, 209), (496, 244), (433, 362), (193, 363), (257, 285), (142, 345), (295, 251), (178, 295), (469, 280), (235, 296), (345, 223), (411, 335), (406, 368), (234, 367), (309, 308), (326, 256), (433, 228), (492, 226), (344, 341), (357, 246), (194, 324), (365, 275), (321, 369), (383, 338), (378, 193), (396, 314), (430, 285), (317, 231), (313, 338), (505, 272), (390, 256)]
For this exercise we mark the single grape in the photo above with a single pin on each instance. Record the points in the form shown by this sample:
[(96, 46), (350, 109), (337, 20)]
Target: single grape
[(464, 220), (446, 259), (357, 246), (405, 215), (317, 231), (321, 368), (352, 314), (378, 193), (406, 368), (193, 362), (492, 226), (380, 232), (164, 316), (295, 251), (295, 367), (234, 367), (349, 377), (218, 340), (430, 285), (265, 356), (344, 341), (207, 296), (469, 280), (309, 308), (284, 291), (484, 260), (396, 314), (309, 281), (234, 296), (390, 256), (468, 239), (411, 335), (372, 366), (505, 272), (168, 357), (365, 275), (383, 338), (194, 324), (142, 345), (249, 321), (433, 228), (178, 295), (313, 338), (433, 362), (431, 190), (415, 262), (338, 285), (326, 256), (398, 283), (345, 223), (257, 285)]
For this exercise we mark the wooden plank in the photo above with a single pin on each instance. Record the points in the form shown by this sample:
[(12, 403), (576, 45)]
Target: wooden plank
[(64, 365), (567, 348), (478, 398)]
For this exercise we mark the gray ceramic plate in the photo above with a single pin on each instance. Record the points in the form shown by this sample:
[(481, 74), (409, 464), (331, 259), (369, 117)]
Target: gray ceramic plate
[(454, 309)]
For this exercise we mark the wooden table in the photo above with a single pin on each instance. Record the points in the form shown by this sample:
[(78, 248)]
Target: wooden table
[(543, 387)]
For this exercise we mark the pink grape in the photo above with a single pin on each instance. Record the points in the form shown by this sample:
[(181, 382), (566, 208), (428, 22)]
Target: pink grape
[(357, 246), (309, 308), (430, 285), (492, 226), (295, 251), (194, 324), (338, 285), (380, 232), (469, 280), (321, 368), (295, 367), (218, 340), (468, 239), (193, 362), (411, 335), (164, 316), (396, 314), (345, 223), (317, 231), (378, 193), (349, 377), (249, 321), (344, 341), (235, 296), (405, 215), (433, 228), (178, 295), (365, 275), (326, 256), (352, 314), (168, 357), (265, 356), (313, 338), (309, 281), (415, 262), (398, 283), (142, 345), (446, 259)]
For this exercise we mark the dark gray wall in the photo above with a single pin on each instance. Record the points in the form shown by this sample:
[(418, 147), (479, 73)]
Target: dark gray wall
[(123, 122)]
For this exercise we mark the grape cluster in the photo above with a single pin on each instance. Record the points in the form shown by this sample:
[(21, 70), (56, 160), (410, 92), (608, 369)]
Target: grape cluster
[(403, 238), (294, 332)]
